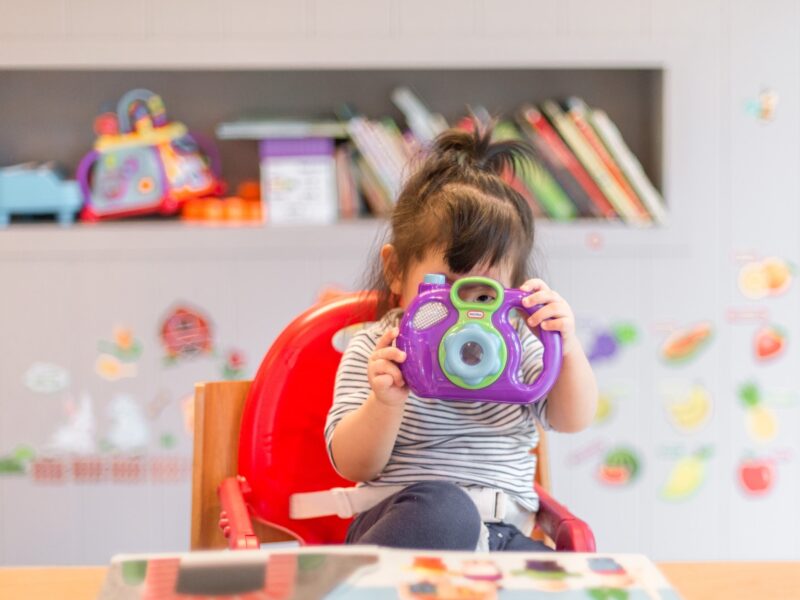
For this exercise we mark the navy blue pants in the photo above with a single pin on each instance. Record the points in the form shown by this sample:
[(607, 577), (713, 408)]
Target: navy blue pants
[(433, 515)]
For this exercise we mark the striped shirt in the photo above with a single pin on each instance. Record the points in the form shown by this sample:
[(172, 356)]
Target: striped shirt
[(472, 444)]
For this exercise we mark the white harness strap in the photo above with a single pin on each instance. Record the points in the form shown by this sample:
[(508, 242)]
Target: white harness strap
[(493, 505)]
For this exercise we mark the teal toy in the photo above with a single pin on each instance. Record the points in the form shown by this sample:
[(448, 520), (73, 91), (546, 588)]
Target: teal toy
[(35, 190)]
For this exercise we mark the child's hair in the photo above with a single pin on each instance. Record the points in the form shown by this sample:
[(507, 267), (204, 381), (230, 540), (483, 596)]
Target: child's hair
[(459, 201)]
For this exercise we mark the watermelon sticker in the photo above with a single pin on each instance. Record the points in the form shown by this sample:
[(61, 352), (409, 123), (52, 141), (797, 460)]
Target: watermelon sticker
[(683, 345), (620, 467)]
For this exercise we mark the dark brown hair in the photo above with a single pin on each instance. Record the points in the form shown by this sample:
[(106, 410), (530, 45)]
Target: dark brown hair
[(458, 200)]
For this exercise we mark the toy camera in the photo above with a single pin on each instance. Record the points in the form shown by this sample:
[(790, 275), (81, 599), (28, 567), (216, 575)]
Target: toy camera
[(467, 349), (141, 163)]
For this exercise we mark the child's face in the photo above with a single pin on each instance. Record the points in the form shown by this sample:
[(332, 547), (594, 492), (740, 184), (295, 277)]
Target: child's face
[(406, 287)]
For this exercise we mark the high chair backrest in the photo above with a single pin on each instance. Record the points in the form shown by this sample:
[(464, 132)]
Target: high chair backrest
[(281, 444)]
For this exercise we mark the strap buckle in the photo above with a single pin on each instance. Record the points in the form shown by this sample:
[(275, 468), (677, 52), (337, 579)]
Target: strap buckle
[(341, 500), (499, 505)]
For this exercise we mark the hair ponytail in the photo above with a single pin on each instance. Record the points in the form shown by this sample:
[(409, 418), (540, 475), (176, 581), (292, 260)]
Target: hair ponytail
[(459, 201), (475, 150)]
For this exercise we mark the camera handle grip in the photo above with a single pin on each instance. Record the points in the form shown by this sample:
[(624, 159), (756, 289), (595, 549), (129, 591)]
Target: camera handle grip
[(551, 340)]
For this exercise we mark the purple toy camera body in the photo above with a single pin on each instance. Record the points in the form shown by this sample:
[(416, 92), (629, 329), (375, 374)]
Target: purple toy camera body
[(468, 350)]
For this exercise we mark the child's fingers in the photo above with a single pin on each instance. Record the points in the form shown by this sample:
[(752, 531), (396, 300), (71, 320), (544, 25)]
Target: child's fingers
[(391, 353), (381, 368), (382, 382), (533, 285), (540, 297), (387, 338), (549, 311), (561, 324)]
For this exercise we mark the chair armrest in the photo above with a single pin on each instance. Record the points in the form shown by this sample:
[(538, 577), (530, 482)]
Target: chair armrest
[(567, 531), (234, 518)]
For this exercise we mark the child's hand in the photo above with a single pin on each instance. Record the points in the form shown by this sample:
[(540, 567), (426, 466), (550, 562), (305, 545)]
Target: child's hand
[(384, 375), (554, 315)]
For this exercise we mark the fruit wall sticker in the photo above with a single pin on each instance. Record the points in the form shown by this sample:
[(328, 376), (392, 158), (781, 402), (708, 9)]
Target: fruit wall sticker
[(233, 367), (110, 368), (760, 420), (605, 408), (117, 358), (124, 346), (46, 378), (688, 410), (620, 466), (763, 107), (684, 345), (769, 343), (609, 399), (185, 333), (756, 475), (687, 475), (764, 278), (606, 343)]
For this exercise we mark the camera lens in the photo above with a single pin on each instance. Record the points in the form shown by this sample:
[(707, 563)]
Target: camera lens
[(471, 353)]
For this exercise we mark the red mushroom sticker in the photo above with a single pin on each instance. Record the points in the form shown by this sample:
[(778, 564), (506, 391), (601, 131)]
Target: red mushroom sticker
[(185, 333)]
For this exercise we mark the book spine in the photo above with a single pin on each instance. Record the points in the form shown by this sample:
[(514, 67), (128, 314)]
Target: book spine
[(398, 148), (568, 160), (345, 185), (592, 164), (630, 165), (425, 125), (374, 194), (542, 188), (561, 207), (371, 152), (577, 112), (551, 165)]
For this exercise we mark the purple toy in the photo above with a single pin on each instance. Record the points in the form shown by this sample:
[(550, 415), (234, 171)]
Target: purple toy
[(467, 349)]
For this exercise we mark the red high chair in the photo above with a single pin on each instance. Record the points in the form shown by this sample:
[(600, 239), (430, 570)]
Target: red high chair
[(282, 450)]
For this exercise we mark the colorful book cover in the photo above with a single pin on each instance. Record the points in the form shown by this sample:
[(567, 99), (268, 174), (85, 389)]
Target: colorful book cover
[(577, 111), (630, 165), (591, 162), (551, 143), (539, 183), (561, 175), (298, 180), (371, 573)]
